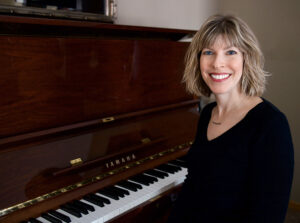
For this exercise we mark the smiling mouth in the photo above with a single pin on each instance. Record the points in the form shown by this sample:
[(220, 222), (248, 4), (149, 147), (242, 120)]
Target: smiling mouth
[(219, 77)]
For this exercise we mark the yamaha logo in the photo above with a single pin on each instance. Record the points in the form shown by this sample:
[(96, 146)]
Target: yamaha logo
[(121, 160)]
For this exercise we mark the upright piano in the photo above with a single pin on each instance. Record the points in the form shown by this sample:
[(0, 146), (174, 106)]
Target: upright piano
[(94, 121)]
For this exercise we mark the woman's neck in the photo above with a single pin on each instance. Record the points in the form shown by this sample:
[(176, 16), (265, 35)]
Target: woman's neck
[(227, 103)]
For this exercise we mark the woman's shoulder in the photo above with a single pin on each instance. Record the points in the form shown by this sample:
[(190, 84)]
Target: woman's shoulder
[(272, 113), (270, 127), (269, 117)]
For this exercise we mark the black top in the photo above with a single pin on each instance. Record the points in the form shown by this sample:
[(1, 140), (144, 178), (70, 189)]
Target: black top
[(244, 175)]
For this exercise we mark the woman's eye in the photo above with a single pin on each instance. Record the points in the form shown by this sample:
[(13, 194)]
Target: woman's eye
[(207, 52), (231, 52)]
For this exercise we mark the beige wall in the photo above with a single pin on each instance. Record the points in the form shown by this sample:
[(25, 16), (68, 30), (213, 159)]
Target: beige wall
[(276, 24), (187, 14)]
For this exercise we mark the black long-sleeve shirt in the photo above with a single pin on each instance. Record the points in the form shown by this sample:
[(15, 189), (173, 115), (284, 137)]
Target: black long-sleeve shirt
[(242, 176)]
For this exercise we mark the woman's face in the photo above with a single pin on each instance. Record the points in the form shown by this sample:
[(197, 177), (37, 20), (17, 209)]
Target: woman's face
[(221, 67)]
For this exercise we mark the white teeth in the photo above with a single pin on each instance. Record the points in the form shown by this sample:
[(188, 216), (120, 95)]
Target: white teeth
[(219, 77)]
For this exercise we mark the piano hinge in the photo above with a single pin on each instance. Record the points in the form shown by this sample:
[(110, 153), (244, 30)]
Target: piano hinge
[(108, 119), (76, 162), (145, 140)]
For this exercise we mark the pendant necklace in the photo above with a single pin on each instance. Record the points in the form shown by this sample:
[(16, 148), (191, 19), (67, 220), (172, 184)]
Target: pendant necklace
[(215, 123)]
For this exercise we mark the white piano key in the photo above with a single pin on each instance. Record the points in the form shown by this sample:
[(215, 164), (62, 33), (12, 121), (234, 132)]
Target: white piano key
[(43, 220)]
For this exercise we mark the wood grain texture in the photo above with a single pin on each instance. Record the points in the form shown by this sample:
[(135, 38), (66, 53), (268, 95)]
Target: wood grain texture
[(50, 82)]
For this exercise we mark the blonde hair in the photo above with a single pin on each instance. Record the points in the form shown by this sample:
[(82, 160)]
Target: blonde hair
[(239, 35)]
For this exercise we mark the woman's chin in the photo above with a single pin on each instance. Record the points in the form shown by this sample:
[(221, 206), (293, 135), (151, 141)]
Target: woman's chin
[(219, 91)]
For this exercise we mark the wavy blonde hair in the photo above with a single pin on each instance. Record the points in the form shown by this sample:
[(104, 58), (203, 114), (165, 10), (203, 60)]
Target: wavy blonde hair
[(239, 35)]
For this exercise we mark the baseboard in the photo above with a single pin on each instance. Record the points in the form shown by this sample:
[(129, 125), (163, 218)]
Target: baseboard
[(294, 205)]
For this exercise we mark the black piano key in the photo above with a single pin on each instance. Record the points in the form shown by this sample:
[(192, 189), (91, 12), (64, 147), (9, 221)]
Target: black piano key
[(108, 194), (125, 192), (152, 178), (71, 211), (32, 220), (121, 192), (140, 180), (128, 185), (135, 185), (105, 200), (179, 163), (51, 219), (146, 178), (82, 210), (85, 205), (167, 168), (93, 201), (157, 173), (138, 186), (175, 168), (115, 192), (100, 198), (60, 216)]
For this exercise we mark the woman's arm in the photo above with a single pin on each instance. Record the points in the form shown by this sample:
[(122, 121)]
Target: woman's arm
[(271, 171)]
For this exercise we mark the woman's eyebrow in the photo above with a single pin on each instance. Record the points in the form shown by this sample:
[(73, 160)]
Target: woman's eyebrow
[(225, 48), (228, 47)]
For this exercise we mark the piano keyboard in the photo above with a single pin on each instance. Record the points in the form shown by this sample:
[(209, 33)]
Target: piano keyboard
[(112, 201)]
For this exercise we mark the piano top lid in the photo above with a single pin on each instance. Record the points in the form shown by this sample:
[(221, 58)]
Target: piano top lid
[(19, 25)]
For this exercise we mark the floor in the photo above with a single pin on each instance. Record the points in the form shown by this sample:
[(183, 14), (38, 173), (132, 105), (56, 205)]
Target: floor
[(293, 216)]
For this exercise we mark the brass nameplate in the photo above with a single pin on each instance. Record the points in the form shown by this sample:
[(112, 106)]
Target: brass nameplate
[(145, 140), (76, 162), (108, 119)]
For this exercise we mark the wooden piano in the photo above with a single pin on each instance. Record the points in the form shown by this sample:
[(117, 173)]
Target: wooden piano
[(87, 110)]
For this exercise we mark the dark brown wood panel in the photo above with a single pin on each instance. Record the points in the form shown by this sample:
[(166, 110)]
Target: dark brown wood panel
[(50, 82)]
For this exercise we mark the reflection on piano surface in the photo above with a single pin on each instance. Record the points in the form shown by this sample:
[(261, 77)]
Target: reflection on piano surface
[(94, 123)]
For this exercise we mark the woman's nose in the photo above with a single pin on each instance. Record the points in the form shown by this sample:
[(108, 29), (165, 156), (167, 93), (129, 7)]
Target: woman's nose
[(218, 61)]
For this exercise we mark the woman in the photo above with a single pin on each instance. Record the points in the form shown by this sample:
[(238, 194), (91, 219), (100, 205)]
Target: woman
[(240, 166)]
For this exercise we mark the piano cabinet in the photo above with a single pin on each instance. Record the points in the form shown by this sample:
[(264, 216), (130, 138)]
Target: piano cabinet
[(86, 105)]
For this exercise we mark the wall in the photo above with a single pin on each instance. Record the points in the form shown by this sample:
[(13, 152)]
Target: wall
[(276, 25), (187, 14)]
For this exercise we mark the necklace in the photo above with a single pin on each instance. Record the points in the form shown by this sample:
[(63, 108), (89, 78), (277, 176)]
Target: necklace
[(216, 123)]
